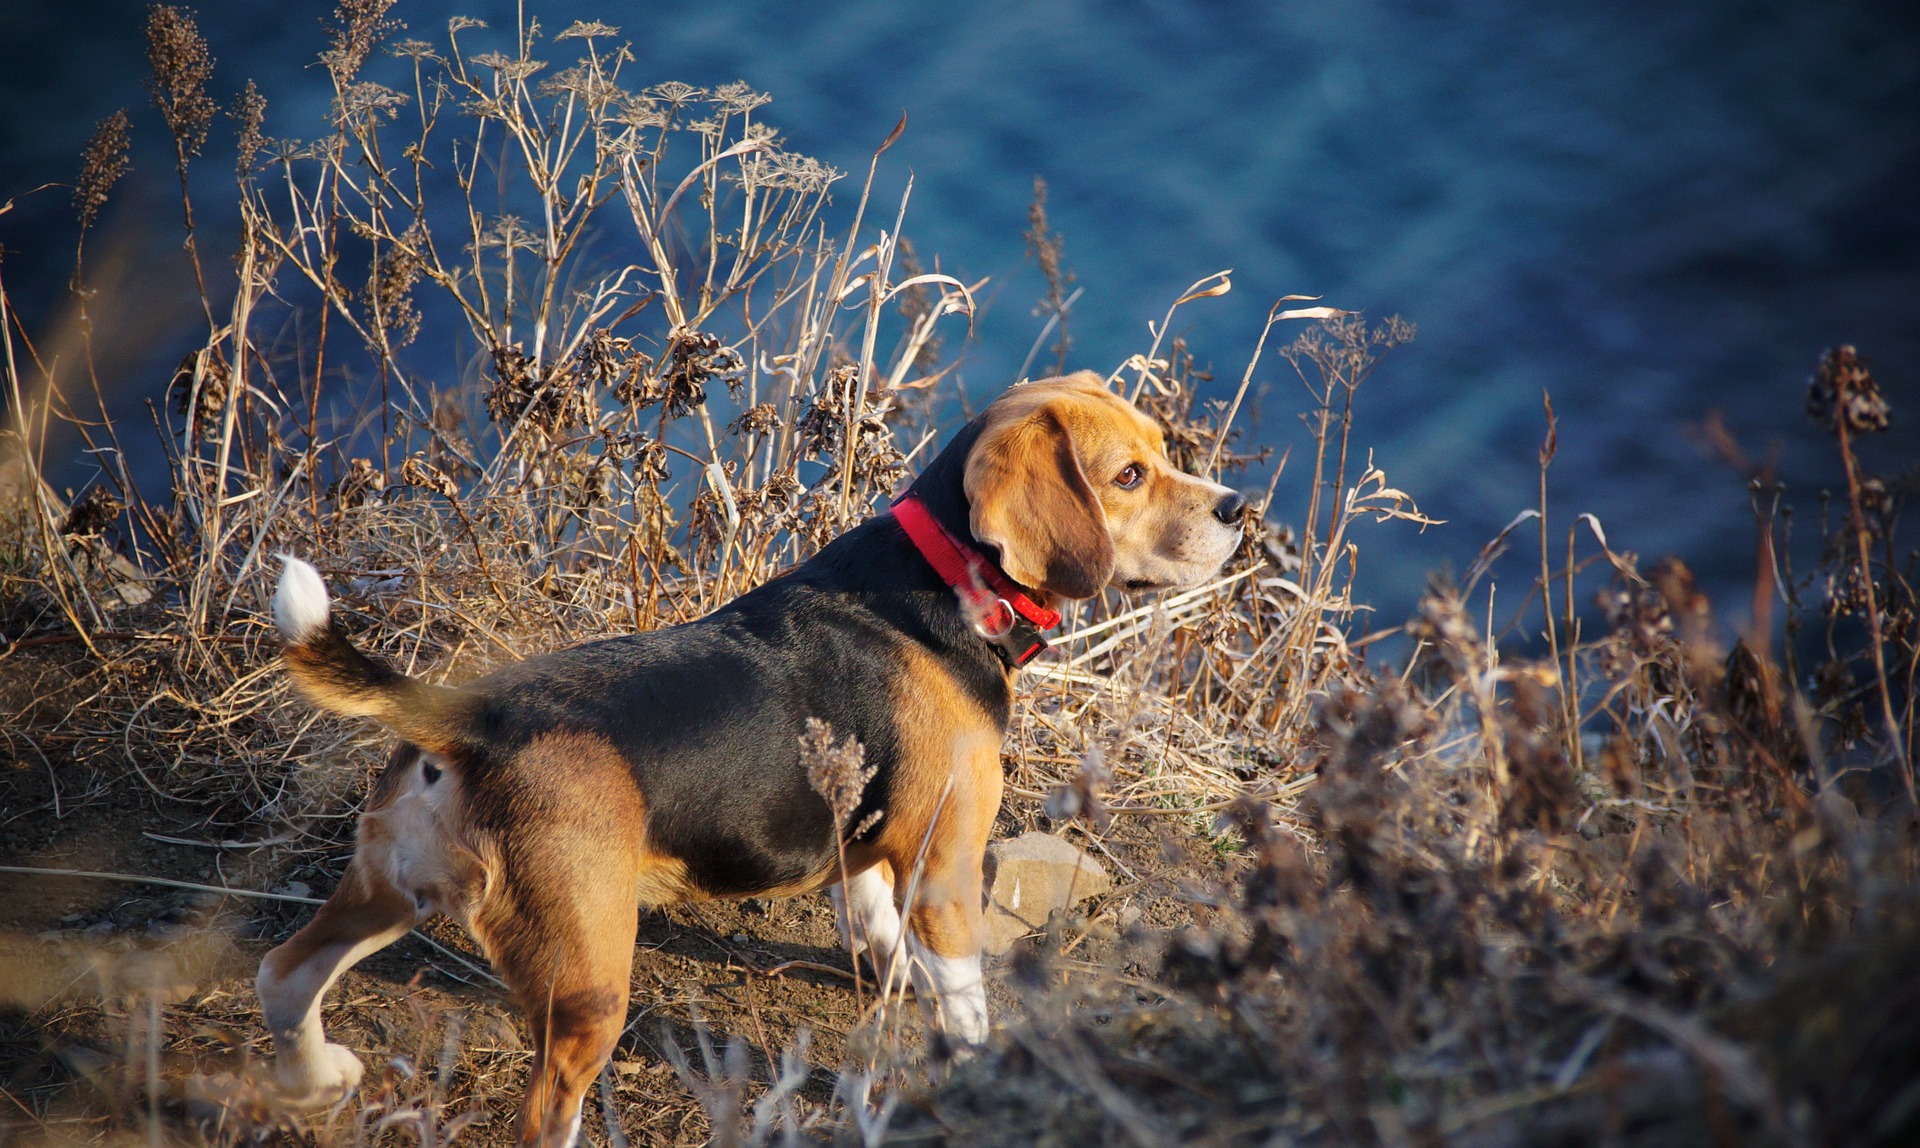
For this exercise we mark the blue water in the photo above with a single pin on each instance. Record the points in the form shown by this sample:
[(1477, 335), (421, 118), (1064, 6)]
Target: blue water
[(1652, 210)]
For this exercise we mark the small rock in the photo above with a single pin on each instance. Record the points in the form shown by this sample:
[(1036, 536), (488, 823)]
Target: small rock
[(99, 929), (1028, 878)]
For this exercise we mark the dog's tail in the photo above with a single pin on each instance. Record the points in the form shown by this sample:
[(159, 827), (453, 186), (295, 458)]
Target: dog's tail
[(335, 675)]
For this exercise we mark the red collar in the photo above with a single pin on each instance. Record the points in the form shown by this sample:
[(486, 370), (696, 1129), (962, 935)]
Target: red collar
[(999, 609)]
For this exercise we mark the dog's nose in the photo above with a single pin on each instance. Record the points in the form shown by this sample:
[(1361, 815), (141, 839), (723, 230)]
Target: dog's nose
[(1229, 507)]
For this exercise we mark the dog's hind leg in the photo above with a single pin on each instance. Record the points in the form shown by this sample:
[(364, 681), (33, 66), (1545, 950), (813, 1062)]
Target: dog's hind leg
[(560, 919), (364, 915), (563, 937)]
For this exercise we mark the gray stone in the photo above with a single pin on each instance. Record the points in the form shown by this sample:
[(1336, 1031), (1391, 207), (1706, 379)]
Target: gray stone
[(1029, 877)]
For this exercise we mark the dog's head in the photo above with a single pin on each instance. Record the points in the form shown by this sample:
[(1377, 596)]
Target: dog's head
[(1072, 484)]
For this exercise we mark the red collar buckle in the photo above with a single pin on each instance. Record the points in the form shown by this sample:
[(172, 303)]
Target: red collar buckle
[(1011, 622), (997, 622)]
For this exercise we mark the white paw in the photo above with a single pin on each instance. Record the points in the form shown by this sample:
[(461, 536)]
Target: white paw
[(966, 1016), (332, 1077), (955, 985)]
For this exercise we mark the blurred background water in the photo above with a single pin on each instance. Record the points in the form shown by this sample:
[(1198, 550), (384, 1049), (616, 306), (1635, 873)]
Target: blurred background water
[(1653, 210)]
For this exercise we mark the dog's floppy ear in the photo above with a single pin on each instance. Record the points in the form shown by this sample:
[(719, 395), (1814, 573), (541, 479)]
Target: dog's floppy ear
[(1030, 498)]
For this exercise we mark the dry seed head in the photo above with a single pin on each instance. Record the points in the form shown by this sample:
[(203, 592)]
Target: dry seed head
[(359, 25), (675, 93), (101, 166), (1364, 727), (1875, 499), (421, 473), (822, 432), (695, 358), (361, 106), (585, 80), (361, 481), (1692, 615), (837, 772), (761, 418), (250, 110), (388, 294), (649, 460), (1641, 624), (821, 429), (1043, 244), (92, 513), (610, 362), (511, 69), (1847, 592), (916, 303), (1443, 623), (508, 235), (416, 50), (738, 98), (555, 402), (782, 170), (211, 400), (587, 30), (181, 68), (1047, 249), (1843, 392), (1755, 699), (1544, 793)]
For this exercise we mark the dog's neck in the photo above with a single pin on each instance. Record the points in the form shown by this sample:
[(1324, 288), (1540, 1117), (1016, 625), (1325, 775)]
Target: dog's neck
[(877, 562)]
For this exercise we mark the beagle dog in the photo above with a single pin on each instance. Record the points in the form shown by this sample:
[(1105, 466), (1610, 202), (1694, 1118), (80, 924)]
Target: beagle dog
[(545, 804)]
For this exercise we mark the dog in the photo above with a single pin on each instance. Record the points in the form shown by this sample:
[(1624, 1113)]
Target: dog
[(542, 806)]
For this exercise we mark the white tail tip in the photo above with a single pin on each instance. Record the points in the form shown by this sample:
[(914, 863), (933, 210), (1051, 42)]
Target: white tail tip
[(300, 604)]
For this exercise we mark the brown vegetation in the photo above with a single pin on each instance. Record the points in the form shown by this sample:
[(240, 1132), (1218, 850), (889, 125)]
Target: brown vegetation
[(1592, 874)]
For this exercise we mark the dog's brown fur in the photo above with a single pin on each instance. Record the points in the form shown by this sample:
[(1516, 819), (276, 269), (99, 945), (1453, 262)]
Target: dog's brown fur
[(542, 806)]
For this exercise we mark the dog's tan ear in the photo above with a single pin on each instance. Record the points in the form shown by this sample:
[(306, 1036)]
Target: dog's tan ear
[(1030, 498)]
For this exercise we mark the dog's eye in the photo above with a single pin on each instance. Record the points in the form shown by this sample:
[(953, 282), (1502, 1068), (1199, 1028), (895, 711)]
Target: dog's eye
[(1130, 477)]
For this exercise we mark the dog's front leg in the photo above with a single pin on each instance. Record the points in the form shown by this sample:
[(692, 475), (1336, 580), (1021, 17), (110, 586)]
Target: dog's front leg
[(947, 919), (943, 956), (942, 811)]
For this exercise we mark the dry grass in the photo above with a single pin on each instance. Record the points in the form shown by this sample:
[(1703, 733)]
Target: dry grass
[(1571, 870)]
